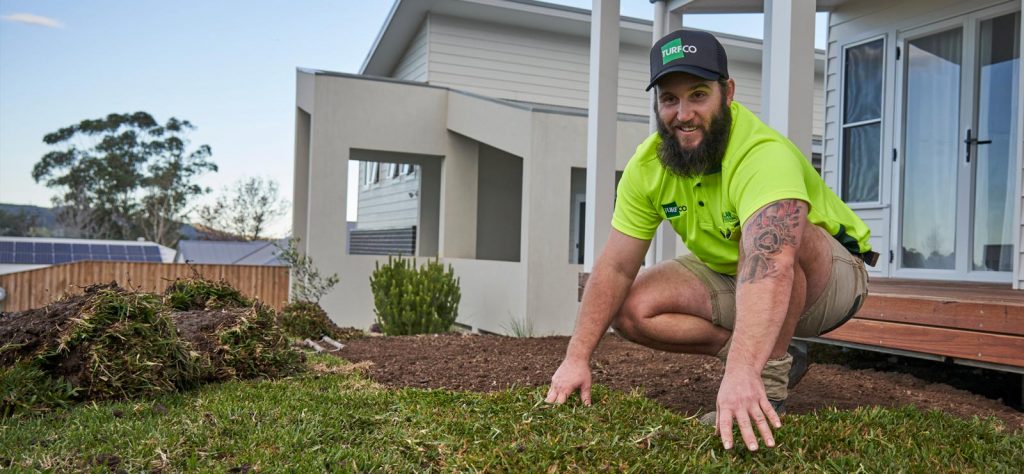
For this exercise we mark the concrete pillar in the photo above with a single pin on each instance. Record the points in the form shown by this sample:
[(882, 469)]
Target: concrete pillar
[(788, 70), (300, 180), (326, 226), (601, 126), (459, 180), (427, 226)]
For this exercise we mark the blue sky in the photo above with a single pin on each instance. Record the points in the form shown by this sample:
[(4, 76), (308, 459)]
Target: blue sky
[(228, 66)]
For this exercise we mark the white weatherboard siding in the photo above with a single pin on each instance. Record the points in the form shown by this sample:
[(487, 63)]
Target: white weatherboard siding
[(856, 22), (534, 66), (413, 65), (390, 203)]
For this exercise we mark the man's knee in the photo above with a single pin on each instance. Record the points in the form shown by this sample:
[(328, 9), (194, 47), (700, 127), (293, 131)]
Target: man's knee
[(629, 316)]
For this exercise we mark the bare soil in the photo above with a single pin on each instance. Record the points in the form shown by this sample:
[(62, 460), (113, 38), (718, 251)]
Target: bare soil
[(687, 384)]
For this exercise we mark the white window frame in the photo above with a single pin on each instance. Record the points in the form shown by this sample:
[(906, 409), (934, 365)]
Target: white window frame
[(840, 138)]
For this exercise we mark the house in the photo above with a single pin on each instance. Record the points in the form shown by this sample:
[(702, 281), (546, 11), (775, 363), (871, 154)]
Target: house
[(28, 253), (470, 120), (228, 252)]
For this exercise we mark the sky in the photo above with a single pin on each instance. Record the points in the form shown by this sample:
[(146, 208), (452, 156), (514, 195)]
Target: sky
[(227, 66)]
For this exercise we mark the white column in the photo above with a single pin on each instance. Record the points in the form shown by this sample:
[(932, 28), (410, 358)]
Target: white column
[(663, 246), (787, 98), (1017, 277), (601, 126)]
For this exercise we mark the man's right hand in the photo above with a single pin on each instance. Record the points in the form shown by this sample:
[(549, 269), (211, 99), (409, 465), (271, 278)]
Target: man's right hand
[(571, 375)]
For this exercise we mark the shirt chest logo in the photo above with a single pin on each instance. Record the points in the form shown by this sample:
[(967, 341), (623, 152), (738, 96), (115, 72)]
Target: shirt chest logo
[(673, 210)]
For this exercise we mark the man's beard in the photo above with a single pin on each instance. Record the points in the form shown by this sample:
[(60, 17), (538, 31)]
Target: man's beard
[(707, 157)]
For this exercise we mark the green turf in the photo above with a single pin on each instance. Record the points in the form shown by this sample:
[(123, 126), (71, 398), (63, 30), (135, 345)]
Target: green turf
[(321, 421)]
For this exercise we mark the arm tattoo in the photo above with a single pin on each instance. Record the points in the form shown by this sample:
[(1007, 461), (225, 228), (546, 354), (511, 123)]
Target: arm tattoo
[(767, 232)]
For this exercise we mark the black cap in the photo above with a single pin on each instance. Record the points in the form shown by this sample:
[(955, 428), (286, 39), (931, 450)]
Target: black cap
[(690, 51)]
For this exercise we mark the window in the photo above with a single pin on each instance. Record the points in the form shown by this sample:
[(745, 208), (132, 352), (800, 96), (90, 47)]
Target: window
[(372, 175), (861, 139)]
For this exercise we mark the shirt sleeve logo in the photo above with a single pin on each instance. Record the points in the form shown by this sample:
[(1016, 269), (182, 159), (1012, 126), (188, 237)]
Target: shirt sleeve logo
[(672, 209)]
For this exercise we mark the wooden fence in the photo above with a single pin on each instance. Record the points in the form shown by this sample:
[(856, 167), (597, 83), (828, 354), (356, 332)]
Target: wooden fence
[(35, 288)]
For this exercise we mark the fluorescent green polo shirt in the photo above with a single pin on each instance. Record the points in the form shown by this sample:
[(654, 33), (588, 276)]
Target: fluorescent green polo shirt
[(760, 166)]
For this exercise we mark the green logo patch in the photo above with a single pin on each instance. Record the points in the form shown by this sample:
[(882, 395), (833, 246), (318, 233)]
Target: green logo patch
[(672, 50), (729, 218), (673, 210)]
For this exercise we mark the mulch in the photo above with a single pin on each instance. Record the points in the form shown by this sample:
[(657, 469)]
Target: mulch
[(687, 384)]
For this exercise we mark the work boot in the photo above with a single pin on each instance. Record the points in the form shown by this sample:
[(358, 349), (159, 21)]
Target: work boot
[(797, 349)]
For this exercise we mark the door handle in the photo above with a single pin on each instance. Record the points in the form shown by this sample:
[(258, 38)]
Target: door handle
[(973, 141)]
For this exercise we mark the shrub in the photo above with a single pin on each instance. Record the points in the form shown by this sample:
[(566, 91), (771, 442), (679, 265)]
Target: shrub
[(408, 300), (307, 284)]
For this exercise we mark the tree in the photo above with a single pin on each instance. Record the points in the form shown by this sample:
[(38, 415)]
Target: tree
[(19, 224), (243, 210), (123, 176)]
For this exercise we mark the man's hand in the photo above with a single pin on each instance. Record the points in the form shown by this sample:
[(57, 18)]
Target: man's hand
[(741, 397), (572, 374)]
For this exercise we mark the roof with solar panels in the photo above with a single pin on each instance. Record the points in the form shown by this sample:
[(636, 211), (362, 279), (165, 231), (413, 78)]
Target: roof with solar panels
[(28, 253)]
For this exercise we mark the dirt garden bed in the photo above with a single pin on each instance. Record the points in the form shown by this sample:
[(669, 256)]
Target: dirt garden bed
[(685, 383)]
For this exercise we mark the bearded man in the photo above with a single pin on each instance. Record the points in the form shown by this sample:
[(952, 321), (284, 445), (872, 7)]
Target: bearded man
[(775, 253)]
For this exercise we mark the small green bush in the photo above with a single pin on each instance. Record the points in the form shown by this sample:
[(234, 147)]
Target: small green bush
[(411, 300)]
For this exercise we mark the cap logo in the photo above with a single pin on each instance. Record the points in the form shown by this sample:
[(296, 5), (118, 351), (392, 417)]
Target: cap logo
[(675, 49)]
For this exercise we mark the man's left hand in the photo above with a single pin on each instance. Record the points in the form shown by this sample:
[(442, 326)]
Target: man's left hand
[(741, 397)]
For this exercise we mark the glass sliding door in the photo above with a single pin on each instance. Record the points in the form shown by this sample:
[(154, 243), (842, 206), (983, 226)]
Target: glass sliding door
[(932, 127), (998, 95)]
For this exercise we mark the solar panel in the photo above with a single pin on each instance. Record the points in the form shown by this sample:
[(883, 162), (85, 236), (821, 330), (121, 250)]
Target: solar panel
[(48, 253)]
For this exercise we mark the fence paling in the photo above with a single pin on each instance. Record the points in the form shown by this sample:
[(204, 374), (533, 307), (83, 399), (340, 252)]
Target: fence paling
[(35, 288)]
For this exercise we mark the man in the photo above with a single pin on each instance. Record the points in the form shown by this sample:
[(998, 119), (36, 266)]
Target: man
[(775, 253)]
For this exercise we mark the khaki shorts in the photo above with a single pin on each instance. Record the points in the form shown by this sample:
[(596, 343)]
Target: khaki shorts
[(843, 295)]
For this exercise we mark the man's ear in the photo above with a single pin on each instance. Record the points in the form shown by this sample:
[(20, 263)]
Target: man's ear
[(730, 90)]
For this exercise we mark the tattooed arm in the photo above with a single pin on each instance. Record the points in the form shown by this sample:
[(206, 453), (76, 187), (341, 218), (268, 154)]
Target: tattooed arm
[(764, 283)]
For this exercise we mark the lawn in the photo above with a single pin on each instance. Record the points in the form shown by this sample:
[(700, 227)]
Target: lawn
[(334, 418)]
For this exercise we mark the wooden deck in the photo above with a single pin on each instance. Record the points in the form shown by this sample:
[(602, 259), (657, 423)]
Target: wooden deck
[(972, 323), (965, 321)]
